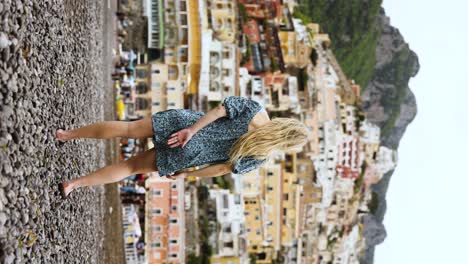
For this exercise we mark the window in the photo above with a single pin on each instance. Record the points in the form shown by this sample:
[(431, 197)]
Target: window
[(141, 73), (156, 229), (157, 192), (174, 186), (173, 241), (258, 232), (173, 221), (174, 255), (226, 72), (174, 208), (156, 245), (142, 88), (156, 211), (286, 196), (237, 199), (269, 173), (157, 71), (142, 103)]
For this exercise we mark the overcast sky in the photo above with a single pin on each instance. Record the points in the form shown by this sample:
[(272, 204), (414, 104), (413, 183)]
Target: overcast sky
[(427, 214)]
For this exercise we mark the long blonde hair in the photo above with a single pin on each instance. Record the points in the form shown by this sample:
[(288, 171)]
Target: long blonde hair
[(284, 134)]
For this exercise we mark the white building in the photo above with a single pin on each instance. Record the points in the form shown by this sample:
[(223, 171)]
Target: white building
[(230, 216), (218, 69), (302, 33), (369, 133), (386, 159), (348, 253)]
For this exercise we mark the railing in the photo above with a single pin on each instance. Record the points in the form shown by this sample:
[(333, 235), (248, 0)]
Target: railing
[(131, 254)]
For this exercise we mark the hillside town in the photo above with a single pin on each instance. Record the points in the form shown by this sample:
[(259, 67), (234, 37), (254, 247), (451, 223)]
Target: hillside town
[(300, 207)]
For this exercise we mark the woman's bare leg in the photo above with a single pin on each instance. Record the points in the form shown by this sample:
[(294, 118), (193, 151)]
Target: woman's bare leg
[(142, 128), (143, 163)]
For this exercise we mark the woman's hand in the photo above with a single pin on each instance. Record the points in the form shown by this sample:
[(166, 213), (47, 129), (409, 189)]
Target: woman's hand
[(180, 138), (182, 174)]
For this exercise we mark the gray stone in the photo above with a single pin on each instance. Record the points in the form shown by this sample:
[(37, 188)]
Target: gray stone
[(3, 218), (11, 196), (4, 41), (7, 111)]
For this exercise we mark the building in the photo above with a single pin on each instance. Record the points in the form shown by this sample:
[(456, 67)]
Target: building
[(222, 18), (273, 217), (164, 220), (154, 13), (225, 260), (386, 159), (231, 241), (295, 51), (142, 103), (282, 92), (166, 91), (219, 76), (348, 163), (349, 121), (291, 190)]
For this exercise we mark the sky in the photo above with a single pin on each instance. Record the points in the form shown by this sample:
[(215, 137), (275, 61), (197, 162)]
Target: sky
[(427, 212)]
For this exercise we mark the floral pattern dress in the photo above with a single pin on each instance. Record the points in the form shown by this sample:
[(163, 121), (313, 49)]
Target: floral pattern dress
[(209, 145)]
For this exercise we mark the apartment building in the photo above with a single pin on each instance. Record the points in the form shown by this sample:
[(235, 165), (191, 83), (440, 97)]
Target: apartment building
[(222, 18), (219, 71), (231, 241), (348, 159), (166, 90), (165, 220)]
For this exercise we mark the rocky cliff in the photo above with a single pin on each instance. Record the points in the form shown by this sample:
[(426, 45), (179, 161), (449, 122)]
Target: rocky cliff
[(389, 103)]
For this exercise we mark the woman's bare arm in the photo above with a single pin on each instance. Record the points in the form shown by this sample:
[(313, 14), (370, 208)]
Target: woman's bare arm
[(211, 116), (180, 138), (209, 171)]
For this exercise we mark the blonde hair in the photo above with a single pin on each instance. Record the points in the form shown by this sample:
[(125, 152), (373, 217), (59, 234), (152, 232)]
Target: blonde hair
[(284, 134)]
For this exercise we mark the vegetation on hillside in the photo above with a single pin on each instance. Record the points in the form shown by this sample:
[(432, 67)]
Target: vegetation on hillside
[(351, 26)]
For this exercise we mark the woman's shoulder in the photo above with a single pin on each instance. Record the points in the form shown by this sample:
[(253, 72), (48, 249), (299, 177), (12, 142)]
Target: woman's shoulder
[(259, 119), (240, 107)]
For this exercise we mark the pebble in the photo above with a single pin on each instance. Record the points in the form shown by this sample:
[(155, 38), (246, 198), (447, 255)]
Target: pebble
[(4, 41)]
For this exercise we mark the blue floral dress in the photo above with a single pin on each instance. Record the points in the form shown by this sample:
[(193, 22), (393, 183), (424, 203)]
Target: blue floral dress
[(209, 145)]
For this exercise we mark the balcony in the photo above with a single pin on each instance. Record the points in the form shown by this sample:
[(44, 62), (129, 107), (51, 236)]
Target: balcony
[(214, 86), (173, 72), (214, 57), (214, 72), (170, 37)]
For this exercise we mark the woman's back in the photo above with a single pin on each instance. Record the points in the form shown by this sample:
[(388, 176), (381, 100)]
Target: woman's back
[(209, 145)]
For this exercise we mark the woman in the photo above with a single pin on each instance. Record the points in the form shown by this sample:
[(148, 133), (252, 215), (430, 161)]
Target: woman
[(235, 137)]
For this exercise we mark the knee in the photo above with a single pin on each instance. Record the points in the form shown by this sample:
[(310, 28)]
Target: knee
[(132, 165)]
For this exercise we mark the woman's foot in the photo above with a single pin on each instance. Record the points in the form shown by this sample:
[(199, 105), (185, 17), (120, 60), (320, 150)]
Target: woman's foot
[(65, 189), (63, 135)]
